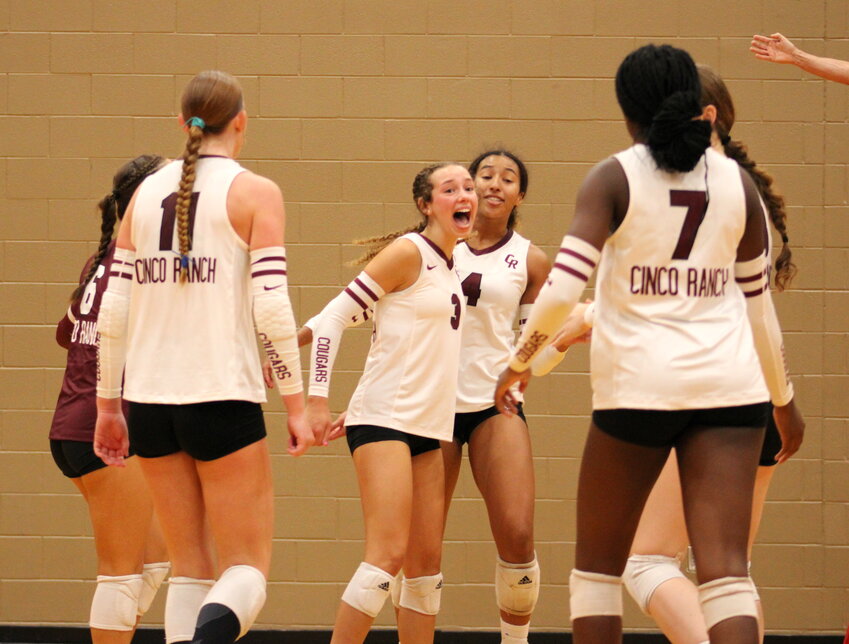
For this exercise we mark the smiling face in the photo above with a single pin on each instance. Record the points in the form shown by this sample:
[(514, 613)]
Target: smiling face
[(497, 183), (453, 203)]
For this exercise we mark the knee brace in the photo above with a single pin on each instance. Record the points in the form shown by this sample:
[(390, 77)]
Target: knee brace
[(182, 605), (645, 573), (517, 586), (727, 597), (368, 589), (153, 575), (592, 594), (241, 589), (116, 602), (395, 589), (422, 594)]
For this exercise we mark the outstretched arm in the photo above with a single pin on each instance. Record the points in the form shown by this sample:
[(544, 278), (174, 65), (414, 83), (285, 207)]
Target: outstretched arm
[(778, 49)]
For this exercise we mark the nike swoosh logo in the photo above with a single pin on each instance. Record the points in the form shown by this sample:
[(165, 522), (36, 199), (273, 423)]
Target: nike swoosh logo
[(430, 268), (271, 288)]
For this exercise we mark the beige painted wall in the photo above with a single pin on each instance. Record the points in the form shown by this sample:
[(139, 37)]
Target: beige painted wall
[(348, 98)]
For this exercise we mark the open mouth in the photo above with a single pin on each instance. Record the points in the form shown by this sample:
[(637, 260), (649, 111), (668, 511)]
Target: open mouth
[(463, 217)]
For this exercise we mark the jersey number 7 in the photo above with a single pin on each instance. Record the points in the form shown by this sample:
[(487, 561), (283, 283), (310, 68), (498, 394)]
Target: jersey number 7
[(696, 204)]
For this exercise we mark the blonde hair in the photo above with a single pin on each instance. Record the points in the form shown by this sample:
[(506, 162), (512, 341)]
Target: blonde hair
[(210, 101)]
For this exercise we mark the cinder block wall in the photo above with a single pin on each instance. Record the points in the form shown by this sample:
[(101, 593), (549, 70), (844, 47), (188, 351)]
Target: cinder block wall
[(347, 99)]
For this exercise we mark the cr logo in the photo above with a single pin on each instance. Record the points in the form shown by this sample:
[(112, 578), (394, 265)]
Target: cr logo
[(511, 261)]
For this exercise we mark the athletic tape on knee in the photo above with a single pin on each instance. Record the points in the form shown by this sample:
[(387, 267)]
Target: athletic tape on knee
[(368, 589), (241, 589), (517, 586), (115, 602), (645, 573), (727, 597), (422, 594), (153, 575), (182, 605), (395, 589), (592, 594)]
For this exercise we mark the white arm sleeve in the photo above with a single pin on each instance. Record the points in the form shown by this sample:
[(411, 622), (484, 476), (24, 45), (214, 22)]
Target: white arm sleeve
[(752, 278), (546, 360), (112, 325), (359, 296), (275, 323), (571, 271)]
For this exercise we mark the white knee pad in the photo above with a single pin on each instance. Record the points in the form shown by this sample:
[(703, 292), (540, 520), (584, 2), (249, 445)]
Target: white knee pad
[(395, 589), (115, 602), (645, 573), (727, 597), (241, 589), (422, 594), (592, 594), (368, 589), (153, 575), (182, 605), (517, 586)]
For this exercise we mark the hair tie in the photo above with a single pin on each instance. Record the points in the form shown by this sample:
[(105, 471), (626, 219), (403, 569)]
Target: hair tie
[(184, 262), (725, 139), (784, 238), (196, 121)]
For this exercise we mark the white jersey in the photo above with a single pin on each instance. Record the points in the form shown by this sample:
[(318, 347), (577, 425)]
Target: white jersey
[(410, 379), (671, 330), (191, 342), (494, 280)]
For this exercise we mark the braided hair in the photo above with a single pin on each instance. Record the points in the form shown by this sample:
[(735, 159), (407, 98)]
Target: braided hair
[(422, 194), (210, 101), (113, 206), (715, 92), (658, 90)]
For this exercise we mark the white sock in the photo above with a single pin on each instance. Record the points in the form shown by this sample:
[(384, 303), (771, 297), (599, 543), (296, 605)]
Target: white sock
[(514, 633)]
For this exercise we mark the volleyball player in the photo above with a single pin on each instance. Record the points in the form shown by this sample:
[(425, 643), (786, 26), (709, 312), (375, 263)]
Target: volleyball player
[(403, 405), (131, 558), (501, 273), (674, 363), (653, 576), (201, 248)]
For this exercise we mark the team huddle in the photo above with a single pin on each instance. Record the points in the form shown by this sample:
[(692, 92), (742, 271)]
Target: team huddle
[(691, 396)]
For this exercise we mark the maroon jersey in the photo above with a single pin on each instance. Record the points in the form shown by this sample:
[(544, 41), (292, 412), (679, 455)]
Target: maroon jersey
[(76, 409)]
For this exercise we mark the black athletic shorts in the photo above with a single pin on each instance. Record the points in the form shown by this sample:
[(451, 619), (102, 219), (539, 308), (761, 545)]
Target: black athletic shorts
[(75, 458), (361, 434), (660, 428), (468, 421), (205, 431), (772, 441)]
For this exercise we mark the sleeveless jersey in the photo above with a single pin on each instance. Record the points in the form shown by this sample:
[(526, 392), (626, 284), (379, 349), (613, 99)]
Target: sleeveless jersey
[(493, 280), (194, 341), (671, 330), (76, 409), (410, 378)]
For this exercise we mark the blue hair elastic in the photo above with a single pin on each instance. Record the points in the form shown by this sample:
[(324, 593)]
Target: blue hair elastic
[(196, 120), (184, 262)]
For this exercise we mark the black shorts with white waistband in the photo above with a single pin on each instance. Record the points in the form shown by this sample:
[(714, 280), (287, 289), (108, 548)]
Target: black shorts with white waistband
[(661, 428), (205, 431), (468, 421), (359, 435)]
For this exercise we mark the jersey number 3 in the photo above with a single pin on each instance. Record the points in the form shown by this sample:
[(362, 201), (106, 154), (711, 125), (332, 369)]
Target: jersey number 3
[(169, 217), (696, 203)]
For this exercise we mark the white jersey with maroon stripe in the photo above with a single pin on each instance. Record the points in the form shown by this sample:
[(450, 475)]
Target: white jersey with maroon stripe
[(194, 341), (494, 280), (671, 330), (410, 378)]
